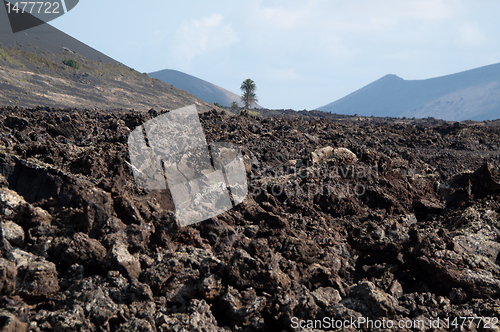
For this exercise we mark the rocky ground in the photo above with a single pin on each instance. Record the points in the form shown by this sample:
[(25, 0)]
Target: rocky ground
[(379, 226)]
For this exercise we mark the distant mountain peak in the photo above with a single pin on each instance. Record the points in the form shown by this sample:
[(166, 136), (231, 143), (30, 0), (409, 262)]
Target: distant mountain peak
[(472, 94), (392, 77)]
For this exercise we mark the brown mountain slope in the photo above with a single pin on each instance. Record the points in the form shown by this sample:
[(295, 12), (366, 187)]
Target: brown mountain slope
[(32, 73)]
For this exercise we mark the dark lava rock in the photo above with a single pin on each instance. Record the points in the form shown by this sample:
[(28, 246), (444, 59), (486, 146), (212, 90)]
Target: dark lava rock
[(345, 218), (8, 274), (10, 323), (371, 300), (425, 207), (80, 249), (37, 277), (13, 233), (120, 259)]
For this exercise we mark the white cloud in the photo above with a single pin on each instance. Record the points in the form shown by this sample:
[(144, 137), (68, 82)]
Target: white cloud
[(361, 15), (196, 37), (279, 18), (469, 34), (342, 28), (422, 9), (208, 22)]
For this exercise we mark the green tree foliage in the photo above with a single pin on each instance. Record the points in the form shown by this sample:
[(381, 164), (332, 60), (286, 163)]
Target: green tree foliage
[(234, 106), (71, 63), (249, 97)]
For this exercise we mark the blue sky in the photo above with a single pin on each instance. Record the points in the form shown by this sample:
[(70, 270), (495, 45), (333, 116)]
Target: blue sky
[(301, 54)]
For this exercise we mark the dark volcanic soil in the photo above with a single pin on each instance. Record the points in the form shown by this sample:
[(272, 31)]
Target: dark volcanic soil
[(346, 221)]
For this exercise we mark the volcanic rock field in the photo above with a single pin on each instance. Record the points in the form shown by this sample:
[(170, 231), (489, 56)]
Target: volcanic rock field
[(349, 225)]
